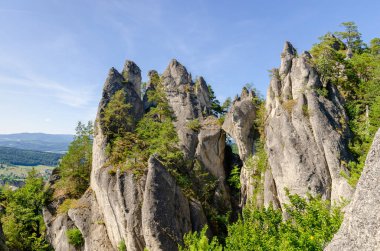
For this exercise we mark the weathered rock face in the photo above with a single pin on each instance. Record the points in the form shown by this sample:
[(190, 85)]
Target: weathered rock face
[(132, 74), (115, 82), (210, 152), (109, 190), (149, 210), (305, 132), (360, 229), (87, 218), (238, 124), (182, 94), (165, 210)]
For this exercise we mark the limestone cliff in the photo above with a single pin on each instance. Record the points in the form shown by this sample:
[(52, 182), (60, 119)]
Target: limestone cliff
[(306, 132), (306, 138), (238, 123), (360, 229), (147, 210)]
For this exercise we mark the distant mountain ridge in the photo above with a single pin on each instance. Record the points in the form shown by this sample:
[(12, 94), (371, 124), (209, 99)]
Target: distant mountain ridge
[(57, 143)]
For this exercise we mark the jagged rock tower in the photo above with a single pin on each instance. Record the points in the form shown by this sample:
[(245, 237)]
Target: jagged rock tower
[(306, 136), (306, 133), (149, 211)]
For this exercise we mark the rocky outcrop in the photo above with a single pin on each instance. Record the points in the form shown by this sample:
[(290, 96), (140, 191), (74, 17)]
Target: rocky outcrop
[(165, 210), (238, 124), (182, 94), (360, 229), (210, 153), (239, 121), (148, 209), (132, 74), (306, 132), (86, 216)]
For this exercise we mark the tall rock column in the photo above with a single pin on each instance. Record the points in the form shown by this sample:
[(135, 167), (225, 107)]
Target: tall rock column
[(306, 132), (238, 124)]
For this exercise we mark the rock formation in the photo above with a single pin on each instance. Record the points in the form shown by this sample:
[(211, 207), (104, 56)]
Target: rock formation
[(360, 229), (306, 137), (149, 210), (306, 132), (238, 124)]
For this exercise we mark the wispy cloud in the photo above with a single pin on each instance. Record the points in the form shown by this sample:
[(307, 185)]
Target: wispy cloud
[(36, 84)]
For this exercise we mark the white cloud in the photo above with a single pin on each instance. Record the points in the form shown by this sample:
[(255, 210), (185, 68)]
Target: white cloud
[(64, 95)]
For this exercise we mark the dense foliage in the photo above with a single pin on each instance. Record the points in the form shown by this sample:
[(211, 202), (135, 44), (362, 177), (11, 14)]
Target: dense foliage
[(354, 68), (14, 156), (75, 237), (75, 166), (22, 219), (130, 149), (309, 225)]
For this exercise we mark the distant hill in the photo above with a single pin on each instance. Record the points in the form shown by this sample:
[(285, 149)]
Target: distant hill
[(14, 156), (57, 143)]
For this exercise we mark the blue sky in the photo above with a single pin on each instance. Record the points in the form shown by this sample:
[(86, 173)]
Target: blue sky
[(55, 54)]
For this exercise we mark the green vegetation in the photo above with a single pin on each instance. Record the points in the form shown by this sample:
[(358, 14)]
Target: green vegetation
[(234, 178), (75, 167), (357, 77), (217, 109), (75, 237), (194, 125), (154, 134), (22, 219), (200, 242), (116, 119), (14, 175), (310, 224), (14, 156), (122, 246)]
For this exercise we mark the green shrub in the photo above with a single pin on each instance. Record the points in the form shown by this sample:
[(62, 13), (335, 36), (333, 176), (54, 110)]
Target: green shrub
[(75, 166), (234, 179), (122, 246), (310, 225), (200, 242), (322, 92), (194, 125), (65, 206), (75, 237)]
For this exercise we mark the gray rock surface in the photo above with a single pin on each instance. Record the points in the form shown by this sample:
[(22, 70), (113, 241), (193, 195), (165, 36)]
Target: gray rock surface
[(182, 95), (306, 133), (56, 226), (132, 74), (360, 229), (87, 218), (210, 152), (165, 210), (149, 209), (238, 124), (115, 82), (123, 198)]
